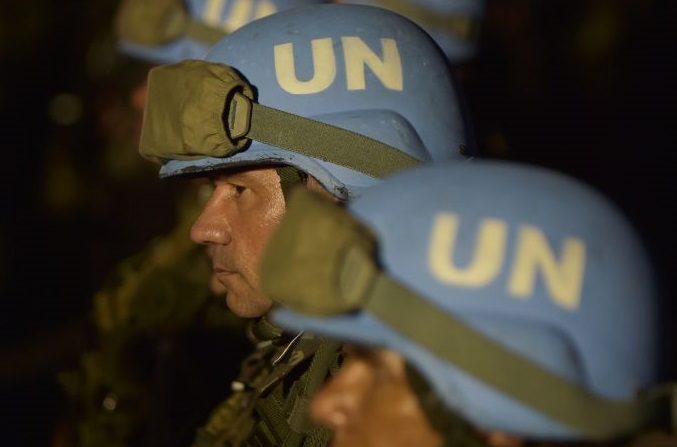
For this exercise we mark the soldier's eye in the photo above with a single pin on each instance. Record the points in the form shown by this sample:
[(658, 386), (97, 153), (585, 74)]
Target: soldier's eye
[(240, 189)]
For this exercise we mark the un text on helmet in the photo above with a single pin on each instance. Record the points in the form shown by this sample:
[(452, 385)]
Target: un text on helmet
[(563, 277), (387, 67)]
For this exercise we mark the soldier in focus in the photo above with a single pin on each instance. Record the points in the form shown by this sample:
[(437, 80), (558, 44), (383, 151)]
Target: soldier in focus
[(330, 97)]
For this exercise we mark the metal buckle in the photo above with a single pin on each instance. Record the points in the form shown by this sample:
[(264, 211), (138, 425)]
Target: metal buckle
[(239, 113)]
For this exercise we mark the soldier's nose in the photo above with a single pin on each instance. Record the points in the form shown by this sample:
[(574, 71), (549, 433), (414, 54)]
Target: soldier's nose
[(210, 228)]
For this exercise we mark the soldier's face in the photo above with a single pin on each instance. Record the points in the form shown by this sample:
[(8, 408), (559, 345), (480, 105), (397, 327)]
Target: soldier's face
[(235, 224), (370, 403)]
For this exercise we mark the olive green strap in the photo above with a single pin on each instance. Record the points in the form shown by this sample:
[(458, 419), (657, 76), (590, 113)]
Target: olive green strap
[(497, 366), (290, 177), (199, 109), (263, 330), (271, 402), (203, 33), (285, 423), (272, 427), (314, 138), (461, 26), (301, 430)]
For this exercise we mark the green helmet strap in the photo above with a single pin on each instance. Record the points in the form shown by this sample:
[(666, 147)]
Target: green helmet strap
[(290, 177), (321, 251), (157, 22), (184, 119)]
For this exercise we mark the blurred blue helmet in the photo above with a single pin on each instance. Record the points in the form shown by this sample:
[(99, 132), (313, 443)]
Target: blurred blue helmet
[(364, 69), (533, 267), (166, 31), (454, 24)]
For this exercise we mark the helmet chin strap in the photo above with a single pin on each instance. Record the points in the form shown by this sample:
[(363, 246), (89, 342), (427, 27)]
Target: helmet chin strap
[(289, 178)]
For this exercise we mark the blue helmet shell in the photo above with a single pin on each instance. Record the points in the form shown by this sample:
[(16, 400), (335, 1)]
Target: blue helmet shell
[(603, 337), (224, 15), (410, 101)]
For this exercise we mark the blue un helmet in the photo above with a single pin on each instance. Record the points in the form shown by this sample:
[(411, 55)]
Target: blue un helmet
[(522, 297), (454, 24), (166, 31), (352, 77)]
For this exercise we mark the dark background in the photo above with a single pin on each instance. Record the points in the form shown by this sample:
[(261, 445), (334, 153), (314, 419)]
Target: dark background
[(583, 87)]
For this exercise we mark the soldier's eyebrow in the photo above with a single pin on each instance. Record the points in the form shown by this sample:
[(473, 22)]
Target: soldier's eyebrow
[(233, 177)]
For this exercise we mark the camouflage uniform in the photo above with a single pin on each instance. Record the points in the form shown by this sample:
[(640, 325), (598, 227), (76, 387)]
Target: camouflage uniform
[(155, 312)]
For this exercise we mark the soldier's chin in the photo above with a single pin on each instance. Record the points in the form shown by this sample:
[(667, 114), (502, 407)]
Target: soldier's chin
[(249, 305)]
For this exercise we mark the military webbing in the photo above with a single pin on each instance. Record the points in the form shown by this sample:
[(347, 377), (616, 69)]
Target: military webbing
[(507, 371), (461, 26), (324, 359), (184, 120), (263, 413), (264, 330), (284, 419)]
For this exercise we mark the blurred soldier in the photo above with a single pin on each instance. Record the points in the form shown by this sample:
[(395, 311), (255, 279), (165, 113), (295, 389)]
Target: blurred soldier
[(332, 97), (489, 304), (167, 346)]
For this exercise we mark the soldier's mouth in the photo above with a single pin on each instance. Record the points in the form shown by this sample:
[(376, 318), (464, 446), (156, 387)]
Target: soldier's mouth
[(224, 277), (222, 271)]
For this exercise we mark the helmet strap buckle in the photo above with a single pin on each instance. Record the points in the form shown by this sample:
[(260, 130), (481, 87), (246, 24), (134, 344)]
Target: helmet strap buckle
[(238, 116)]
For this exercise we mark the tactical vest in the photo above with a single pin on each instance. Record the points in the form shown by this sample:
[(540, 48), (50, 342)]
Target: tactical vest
[(269, 404)]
